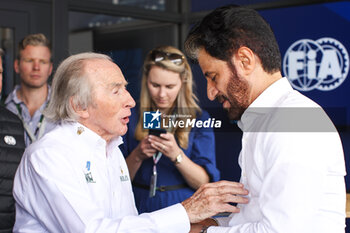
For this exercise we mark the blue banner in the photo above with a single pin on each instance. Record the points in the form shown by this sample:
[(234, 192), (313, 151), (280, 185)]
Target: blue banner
[(315, 44)]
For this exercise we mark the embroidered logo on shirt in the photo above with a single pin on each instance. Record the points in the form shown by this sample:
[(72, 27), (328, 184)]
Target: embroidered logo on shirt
[(80, 130), (88, 175), (10, 140), (123, 177)]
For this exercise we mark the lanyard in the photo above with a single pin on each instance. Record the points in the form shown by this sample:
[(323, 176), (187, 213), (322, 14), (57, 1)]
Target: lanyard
[(39, 127), (156, 158), (153, 185)]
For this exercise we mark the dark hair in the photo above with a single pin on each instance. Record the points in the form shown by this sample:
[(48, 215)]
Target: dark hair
[(222, 32)]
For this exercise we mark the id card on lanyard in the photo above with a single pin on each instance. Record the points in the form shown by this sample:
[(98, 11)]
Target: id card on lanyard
[(156, 158), (153, 183)]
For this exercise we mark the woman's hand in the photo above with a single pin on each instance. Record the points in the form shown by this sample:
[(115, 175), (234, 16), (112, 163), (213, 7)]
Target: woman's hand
[(145, 149), (166, 144)]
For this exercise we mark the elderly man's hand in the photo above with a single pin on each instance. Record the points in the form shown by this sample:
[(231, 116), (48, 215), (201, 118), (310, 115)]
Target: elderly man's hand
[(213, 198)]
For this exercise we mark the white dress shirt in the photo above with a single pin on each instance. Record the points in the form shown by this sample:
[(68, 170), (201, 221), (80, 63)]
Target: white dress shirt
[(293, 166), (72, 181)]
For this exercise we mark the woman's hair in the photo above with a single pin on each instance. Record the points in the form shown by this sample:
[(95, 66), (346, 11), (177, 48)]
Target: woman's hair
[(186, 101), (71, 82)]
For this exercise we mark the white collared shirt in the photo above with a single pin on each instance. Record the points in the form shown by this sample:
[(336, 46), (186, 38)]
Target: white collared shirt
[(292, 163), (72, 181)]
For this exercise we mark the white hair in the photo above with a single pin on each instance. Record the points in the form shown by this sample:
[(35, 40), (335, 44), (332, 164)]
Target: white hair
[(70, 82)]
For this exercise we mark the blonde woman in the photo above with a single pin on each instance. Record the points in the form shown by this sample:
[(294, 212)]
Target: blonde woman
[(168, 168)]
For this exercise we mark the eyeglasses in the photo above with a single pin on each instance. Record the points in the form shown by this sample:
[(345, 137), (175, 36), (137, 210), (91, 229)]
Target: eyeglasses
[(175, 58)]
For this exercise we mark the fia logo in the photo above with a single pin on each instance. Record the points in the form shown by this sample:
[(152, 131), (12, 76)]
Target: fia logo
[(151, 120), (322, 64)]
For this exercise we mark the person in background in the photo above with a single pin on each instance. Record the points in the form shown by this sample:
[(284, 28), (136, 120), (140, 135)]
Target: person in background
[(75, 178), (28, 100), (11, 151), (180, 160), (292, 158)]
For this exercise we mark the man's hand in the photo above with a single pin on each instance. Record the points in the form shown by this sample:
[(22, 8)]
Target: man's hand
[(213, 198), (197, 227)]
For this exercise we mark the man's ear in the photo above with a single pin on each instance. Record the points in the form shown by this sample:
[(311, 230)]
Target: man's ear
[(16, 66), (82, 113), (51, 67), (245, 60)]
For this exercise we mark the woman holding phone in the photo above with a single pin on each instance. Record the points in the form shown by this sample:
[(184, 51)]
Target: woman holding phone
[(167, 167)]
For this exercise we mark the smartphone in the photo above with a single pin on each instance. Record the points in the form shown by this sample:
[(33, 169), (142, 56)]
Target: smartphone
[(156, 132)]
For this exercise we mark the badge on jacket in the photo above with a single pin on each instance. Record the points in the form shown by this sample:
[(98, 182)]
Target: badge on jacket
[(10, 140)]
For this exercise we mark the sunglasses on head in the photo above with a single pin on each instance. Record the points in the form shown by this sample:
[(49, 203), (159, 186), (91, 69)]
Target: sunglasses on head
[(175, 58)]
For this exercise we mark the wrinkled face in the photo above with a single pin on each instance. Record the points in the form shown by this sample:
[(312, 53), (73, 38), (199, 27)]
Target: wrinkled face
[(163, 86), (108, 116), (225, 85), (34, 66)]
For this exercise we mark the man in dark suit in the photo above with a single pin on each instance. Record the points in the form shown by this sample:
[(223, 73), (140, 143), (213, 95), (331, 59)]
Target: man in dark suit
[(11, 151)]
